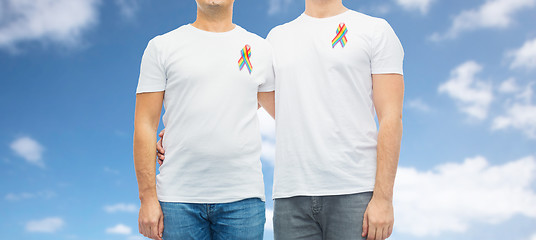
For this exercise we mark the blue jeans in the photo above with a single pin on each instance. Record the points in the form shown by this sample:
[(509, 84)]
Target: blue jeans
[(198, 221), (338, 217)]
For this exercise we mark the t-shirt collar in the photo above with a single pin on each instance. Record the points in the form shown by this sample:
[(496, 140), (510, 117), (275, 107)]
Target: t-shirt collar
[(310, 18), (208, 33)]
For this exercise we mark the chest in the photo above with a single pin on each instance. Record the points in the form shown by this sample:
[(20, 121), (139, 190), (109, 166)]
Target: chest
[(327, 46), (218, 64)]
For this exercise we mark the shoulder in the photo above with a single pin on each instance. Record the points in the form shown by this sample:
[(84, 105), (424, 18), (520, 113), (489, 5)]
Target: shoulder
[(367, 20), (282, 28), (371, 26), (169, 37)]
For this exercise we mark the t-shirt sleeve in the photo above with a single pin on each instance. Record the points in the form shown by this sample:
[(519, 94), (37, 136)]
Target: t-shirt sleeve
[(268, 75), (152, 74), (387, 51)]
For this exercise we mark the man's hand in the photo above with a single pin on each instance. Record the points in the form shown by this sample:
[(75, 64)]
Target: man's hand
[(151, 219), (147, 116), (388, 96), (159, 148), (378, 220)]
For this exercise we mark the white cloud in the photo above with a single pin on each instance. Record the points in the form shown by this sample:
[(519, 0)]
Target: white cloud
[(20, 196), (518, 116), (267, 128), (492, 14), (526, 95), (533, 237), (525, 56), (29, 149), (420, 5), (269, 226), (376, 9), (454, 196), (268, 151), (26, 195), (520, 111), (110, 170), (119, 229), (472, 95), (121, 207), (509, 86), (418, 104), (47, 225), (136, 237), (128, 8), (381, 9), (276, 6), (58, 21)]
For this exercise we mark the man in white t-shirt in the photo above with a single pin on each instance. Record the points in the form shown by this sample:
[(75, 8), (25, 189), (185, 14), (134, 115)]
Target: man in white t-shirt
[(210, 75), (334, 171)]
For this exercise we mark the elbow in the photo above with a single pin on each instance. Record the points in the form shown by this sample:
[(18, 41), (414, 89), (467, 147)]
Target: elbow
[(390, 117), (145, 124)]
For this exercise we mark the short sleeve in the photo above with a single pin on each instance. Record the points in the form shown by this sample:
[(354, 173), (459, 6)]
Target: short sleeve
[(387, 51), (152, 74), (268, 81)]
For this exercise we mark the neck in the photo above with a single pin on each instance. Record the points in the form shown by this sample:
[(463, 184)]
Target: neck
[(214, 18), (324, 8)]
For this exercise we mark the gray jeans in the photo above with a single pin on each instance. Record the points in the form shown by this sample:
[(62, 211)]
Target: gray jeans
[(337, 217)]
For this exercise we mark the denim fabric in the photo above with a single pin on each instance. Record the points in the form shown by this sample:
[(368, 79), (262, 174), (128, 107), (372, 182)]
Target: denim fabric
[(236, 220), (337, 217)]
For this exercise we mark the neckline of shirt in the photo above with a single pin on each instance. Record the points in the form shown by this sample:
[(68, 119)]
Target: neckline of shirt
[(215, 34), (311, 18)]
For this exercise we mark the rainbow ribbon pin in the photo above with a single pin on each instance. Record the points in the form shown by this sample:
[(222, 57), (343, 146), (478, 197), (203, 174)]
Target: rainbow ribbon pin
[(341, 36), (244, 59)]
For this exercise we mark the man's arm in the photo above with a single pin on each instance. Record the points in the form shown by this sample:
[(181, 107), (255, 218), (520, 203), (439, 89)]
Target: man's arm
[(267, 101), (388, 96), (146, 119)]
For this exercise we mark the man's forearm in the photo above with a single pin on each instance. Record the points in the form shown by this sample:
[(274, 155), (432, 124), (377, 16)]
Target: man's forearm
[(144, 161), (388, 151), (267, 101)]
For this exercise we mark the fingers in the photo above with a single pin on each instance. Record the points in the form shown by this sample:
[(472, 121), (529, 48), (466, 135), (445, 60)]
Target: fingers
[(159, 147), (155, 234), (161, 227), (160, 156), (161, 134), (371, 233), (150, 229), (150, 232), (365, 225), (142, 228), (385, 234), (379, 233)]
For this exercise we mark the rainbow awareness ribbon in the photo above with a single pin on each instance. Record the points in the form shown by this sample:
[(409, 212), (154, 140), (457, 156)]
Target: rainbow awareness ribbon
[(341, 36), (244, 59)]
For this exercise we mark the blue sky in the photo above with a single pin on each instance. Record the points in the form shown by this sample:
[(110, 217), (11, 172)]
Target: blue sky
[(69, 72)]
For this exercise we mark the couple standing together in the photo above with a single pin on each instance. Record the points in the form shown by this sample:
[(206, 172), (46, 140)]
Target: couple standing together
[(323, 77)]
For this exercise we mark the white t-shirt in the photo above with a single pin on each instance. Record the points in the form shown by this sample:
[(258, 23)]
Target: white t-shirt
[(212, 139), (326, 133)]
